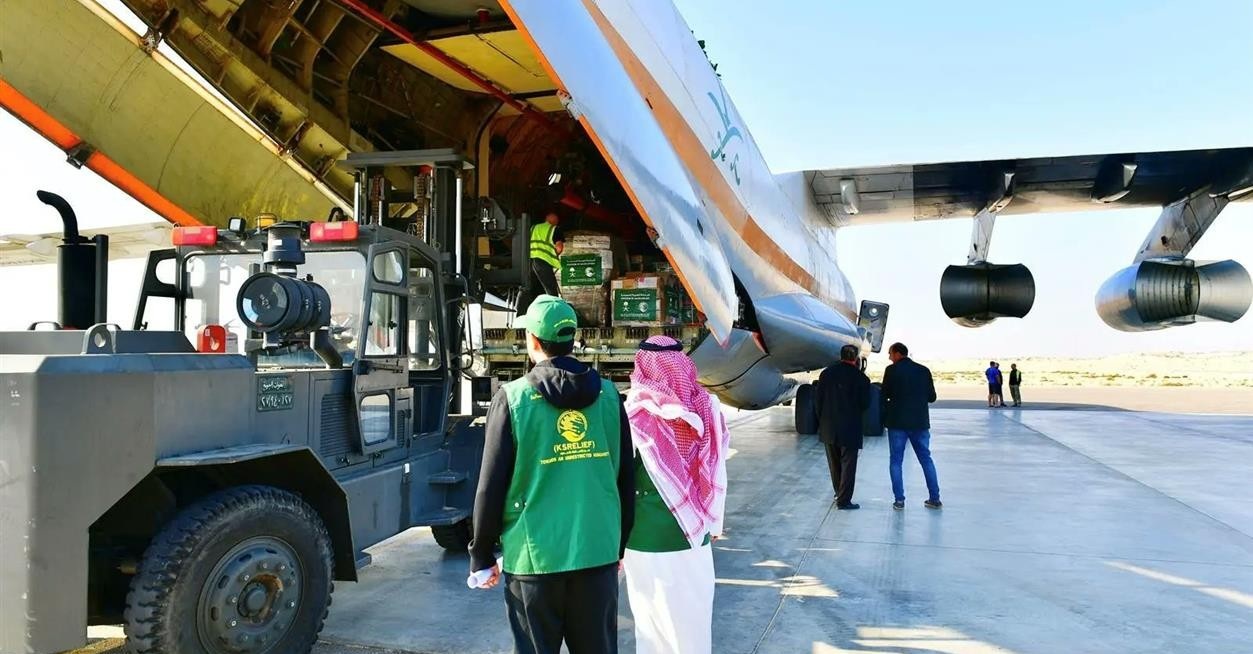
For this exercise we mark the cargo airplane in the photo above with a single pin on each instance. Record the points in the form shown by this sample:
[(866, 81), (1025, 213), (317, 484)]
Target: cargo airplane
[(615, 96)]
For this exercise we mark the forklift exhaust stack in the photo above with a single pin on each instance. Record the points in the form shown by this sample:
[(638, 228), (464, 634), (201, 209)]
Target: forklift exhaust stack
[(82, 271)]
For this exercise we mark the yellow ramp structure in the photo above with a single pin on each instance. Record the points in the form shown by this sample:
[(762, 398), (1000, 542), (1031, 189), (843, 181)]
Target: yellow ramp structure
[(84, 80)]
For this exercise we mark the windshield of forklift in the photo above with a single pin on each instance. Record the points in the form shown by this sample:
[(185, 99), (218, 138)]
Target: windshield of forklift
[(213, 281)]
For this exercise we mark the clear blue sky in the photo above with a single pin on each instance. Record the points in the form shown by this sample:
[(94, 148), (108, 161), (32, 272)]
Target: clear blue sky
[(824, 84)]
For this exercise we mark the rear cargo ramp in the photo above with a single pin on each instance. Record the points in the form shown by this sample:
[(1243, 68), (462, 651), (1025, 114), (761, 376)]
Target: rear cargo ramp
[(87, 83)]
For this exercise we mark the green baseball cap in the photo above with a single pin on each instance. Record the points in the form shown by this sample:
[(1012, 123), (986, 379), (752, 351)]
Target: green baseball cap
[(549, 318)]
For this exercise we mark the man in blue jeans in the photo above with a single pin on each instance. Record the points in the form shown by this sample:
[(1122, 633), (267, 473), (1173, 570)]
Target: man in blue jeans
[(906, 392)]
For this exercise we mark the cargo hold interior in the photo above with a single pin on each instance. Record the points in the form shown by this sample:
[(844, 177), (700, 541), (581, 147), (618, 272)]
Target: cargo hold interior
[(530, 157)]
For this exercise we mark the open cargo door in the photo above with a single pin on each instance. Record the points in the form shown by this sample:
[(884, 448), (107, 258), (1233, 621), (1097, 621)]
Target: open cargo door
[(93, 87), (602, 97)]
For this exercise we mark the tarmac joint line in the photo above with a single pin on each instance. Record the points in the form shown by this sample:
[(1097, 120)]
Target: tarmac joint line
[(800, 565)]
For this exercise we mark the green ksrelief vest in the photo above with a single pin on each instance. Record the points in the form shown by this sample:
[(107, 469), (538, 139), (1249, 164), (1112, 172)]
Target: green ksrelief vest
[(542, 246), (562, 511)]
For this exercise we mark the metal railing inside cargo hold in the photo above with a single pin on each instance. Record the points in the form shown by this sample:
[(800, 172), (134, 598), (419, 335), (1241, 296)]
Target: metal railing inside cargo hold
[(611, 350)]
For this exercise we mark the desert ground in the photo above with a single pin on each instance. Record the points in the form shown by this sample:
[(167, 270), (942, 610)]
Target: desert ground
[(1212, 370), (1177, 382)]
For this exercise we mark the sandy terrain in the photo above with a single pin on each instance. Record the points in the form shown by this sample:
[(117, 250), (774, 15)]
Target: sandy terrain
[(1187, 399), (1214, 382), (1213, 370)]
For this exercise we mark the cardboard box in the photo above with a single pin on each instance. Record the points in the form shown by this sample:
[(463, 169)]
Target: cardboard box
[(612, 248), (645, 300), (689, 315), (591, 304), (585, 269), (683, 310), (635, 306), (589, 241), (673, 309), (587, 265)]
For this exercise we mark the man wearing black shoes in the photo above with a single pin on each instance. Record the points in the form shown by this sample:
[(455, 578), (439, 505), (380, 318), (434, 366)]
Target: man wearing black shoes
[(842, 396), (907, 390)]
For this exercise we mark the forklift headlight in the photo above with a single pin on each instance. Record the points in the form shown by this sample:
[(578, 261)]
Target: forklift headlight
[(271, 303)]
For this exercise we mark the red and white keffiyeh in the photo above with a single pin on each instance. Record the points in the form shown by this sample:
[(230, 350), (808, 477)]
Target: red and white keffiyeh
[(681, 436)]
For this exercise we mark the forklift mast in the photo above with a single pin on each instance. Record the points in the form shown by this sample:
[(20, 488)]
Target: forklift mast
[(430, 208)]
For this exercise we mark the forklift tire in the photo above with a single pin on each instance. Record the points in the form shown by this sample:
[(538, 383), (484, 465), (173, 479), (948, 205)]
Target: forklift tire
[(455, 537), (245, 570)]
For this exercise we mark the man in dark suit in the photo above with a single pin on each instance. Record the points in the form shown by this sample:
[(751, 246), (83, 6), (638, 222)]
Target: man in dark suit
[(842, 396), (907, 390)]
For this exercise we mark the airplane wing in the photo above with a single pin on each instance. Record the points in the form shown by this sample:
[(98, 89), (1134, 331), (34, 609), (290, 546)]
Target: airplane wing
[(901, 193), (124, 241), (1161, 288)]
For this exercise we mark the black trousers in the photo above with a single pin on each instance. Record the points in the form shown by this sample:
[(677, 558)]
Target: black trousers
[(543, 280), (842, 461), (579, 607)]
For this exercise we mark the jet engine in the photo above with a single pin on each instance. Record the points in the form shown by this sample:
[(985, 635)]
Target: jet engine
[(1159, 294), (975, 295)]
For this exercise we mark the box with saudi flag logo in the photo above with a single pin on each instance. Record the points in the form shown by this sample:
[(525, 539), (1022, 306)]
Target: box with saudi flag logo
[(583, 270), (587, 265), (646, 300)]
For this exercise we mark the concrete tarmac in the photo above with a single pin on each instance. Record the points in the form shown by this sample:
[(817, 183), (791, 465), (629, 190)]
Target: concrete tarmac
[(1174, 399), (1062, 531)]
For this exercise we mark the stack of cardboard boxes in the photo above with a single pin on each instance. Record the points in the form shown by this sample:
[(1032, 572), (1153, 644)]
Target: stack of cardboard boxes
[(652, 300), (688, 314), (587, 265), (594, 281), (644, 300)]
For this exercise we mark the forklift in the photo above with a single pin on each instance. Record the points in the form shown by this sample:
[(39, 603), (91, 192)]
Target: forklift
[(205, 485)]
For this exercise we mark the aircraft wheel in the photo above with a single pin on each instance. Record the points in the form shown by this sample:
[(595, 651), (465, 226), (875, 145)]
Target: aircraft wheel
[(806, 416), (872, 421), (455, 537), (246, 570)]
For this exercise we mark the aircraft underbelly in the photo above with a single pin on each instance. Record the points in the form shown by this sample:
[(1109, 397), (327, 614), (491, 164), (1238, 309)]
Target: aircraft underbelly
[(799, 332), (740, 373), (803, 333)]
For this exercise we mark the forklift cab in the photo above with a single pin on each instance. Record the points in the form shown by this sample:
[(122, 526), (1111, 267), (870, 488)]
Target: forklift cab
[(383, 326)]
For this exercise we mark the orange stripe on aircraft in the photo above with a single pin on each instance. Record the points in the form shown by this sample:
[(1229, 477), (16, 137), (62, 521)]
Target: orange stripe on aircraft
[(640, 208), (63, 137), (604, 153), (694, 155)]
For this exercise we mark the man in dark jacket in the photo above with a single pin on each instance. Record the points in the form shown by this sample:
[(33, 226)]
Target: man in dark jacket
[(557, 491), (1015, 384), (907, 390), (842, 396)]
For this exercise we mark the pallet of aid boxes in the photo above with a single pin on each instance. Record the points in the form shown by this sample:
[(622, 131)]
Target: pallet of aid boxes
[(689, 316), (588, 262), (654, 299)]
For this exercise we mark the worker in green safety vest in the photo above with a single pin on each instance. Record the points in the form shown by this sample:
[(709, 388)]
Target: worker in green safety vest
[(556, 490), (547, 244)]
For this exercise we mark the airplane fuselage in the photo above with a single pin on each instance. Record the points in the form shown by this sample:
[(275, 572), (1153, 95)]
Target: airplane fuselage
[(648, 95)]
